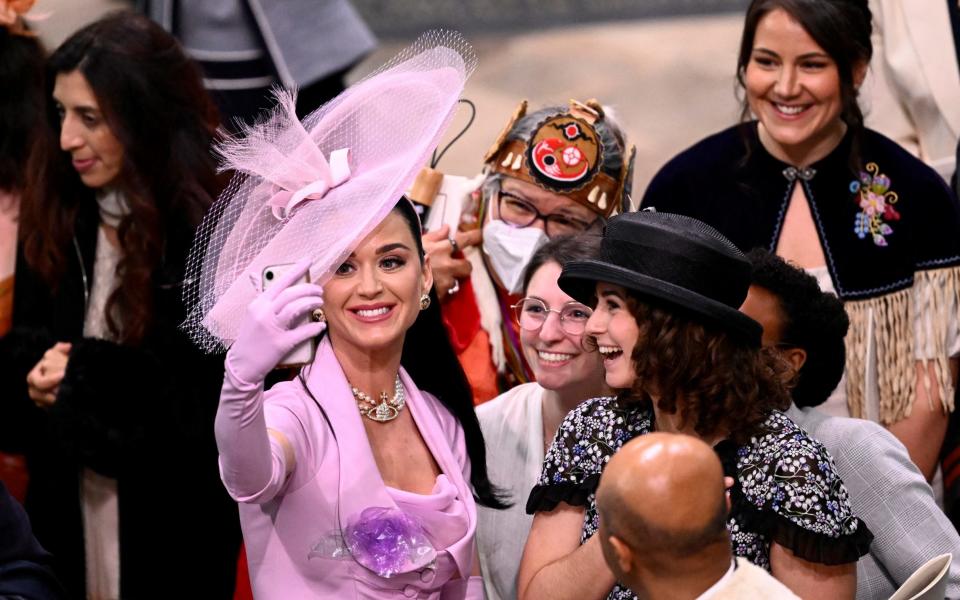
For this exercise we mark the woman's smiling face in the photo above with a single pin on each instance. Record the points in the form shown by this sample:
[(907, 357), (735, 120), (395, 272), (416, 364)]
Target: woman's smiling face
[(556, 356), (374, 296), (793, 86), (616, 332)]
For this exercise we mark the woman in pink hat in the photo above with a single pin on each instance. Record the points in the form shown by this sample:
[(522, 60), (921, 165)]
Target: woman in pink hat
[(356, 479)]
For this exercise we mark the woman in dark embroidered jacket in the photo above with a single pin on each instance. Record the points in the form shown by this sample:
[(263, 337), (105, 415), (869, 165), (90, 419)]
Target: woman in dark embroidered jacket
[(874, 224)]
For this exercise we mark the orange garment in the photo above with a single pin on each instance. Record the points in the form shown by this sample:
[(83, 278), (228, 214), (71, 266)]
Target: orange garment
[(478, 366), (461, 317), (9, 217), (6, 304)]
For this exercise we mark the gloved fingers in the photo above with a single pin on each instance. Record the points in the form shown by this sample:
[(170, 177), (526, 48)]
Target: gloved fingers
[(302, 333), (298, 270), (296, 292), (298, 310)]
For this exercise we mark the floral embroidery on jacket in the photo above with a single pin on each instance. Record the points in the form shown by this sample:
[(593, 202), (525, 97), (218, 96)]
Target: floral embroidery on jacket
[(876, 205)]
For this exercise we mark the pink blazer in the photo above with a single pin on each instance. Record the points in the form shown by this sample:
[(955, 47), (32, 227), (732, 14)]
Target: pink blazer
[(336, 477)]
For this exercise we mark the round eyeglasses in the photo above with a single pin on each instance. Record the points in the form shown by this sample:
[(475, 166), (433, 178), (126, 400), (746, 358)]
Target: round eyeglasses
[(518, 212), (532, 313)]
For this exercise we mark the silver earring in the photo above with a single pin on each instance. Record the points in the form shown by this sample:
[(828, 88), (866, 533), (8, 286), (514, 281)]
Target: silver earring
[(424, 302), (319, 316)]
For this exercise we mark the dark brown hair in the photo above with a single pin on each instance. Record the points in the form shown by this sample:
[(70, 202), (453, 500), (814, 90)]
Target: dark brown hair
[(841, 27), (720, 384), (562, 250), (21, 79), (153, 100), (440, 373)]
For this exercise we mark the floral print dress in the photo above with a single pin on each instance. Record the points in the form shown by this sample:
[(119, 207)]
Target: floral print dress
[(786, 487)]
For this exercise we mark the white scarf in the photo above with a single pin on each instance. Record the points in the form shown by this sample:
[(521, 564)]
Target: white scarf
[(113, 207)]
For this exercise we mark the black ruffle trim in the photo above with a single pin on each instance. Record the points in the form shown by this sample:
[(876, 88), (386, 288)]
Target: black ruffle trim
[(808, 545), (545, 498)]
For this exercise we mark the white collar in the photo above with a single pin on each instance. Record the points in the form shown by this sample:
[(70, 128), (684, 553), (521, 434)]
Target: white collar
[(113, 207), (715, 588)]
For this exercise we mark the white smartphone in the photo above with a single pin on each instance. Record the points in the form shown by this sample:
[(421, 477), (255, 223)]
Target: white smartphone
[(303, 353)]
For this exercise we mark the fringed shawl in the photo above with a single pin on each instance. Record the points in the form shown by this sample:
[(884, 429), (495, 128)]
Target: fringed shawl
[(890, 234)]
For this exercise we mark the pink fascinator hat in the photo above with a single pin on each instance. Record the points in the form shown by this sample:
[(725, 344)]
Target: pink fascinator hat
[(315, 189)]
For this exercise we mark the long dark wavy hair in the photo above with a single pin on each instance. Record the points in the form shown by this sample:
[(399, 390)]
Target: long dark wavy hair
[(842, 28), (21, 107), (152, 98), (430, 360), (712, 379)]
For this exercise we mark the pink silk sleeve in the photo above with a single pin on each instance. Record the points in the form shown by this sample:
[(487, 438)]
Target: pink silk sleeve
[(453, 431)]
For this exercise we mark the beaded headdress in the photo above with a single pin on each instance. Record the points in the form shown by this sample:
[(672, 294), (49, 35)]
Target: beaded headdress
[(573, 151)]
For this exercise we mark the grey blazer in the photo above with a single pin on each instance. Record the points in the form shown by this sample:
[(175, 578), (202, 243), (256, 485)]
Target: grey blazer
[(891, 496), (306, 39)]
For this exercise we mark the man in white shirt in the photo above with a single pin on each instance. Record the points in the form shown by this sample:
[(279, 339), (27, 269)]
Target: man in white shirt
[(663, 511)]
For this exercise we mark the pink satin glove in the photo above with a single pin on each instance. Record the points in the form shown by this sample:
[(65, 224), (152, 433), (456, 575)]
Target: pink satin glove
[(252, 469), (273, 326)]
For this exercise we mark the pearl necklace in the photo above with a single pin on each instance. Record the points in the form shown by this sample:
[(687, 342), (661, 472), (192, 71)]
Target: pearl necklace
[(385, 410)]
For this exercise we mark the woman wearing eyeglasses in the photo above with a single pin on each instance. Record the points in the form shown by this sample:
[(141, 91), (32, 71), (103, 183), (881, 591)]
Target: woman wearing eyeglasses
[(552, 172), (519, 424)]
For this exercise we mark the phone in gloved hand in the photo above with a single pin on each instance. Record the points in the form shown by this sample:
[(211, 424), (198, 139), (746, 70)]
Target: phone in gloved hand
[(304, 352)]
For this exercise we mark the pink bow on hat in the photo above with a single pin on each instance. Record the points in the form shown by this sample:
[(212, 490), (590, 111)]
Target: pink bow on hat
[(358, 152), (331, 173)]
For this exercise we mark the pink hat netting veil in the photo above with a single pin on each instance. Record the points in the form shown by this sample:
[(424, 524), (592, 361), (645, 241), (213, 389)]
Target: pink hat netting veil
[(389, 123)]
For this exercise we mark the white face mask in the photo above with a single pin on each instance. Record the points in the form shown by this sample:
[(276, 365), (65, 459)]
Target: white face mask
[(509, 249)]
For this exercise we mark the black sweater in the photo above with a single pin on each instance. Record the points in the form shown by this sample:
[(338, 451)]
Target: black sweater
[(142, 414)]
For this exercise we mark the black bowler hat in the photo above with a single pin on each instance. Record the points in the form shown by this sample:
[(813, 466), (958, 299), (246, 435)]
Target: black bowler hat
[(674, 261)]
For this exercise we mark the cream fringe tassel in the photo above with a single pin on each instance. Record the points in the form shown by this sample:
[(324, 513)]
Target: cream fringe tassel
[(893, 323)]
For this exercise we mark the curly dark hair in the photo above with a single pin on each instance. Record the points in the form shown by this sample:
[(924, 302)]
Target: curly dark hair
[(152, 97), (713, 379), (810, 319)]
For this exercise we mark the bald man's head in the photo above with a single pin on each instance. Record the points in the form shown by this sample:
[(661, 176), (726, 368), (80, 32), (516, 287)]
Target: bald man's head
[(663, 497)]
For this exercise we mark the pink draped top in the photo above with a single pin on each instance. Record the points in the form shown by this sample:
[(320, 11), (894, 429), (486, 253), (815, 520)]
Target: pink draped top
[(335, 478)]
